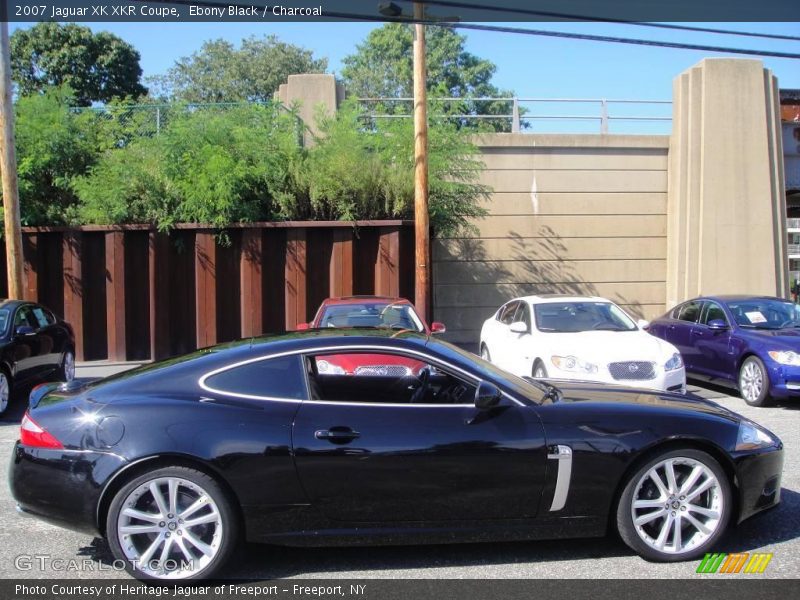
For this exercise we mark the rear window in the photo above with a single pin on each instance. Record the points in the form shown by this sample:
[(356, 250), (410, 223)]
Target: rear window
[(280, 377)]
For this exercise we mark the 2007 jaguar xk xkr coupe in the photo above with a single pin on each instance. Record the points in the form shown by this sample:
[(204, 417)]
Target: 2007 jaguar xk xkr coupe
[(177, 462)]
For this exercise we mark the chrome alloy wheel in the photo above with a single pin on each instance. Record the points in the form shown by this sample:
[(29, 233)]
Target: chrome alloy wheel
[(69, 366), (485, 353), (5, 392), (751, 381), (539, 372), (170, 528), (677, 505)]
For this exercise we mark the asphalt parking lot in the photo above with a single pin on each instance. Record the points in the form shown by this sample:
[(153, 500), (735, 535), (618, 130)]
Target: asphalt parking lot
[(31, 549)]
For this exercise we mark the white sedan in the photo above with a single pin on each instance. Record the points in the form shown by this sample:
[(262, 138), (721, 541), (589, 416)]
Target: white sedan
[(584, 338)]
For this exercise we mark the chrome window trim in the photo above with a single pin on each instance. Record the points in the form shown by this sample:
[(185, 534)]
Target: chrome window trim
[(328, 349)]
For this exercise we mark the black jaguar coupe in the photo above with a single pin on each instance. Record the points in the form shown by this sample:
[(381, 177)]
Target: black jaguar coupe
[(265, 440)]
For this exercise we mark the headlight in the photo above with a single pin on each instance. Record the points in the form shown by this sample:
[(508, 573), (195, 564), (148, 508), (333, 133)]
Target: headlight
[(323, 366), (785, 357), (676, 362), (573, 364), (752, 437)]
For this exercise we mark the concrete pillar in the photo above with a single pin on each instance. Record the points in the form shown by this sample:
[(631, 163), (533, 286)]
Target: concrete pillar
[(726, 225), (311, 93)]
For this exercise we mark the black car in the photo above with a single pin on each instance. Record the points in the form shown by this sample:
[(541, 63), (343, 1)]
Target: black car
[(35, 345), (177, 462)]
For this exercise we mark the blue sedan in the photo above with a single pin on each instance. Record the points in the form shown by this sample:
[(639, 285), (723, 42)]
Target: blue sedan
[(750, 343)]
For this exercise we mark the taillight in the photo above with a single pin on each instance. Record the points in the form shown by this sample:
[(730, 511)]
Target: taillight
[(33, 434)]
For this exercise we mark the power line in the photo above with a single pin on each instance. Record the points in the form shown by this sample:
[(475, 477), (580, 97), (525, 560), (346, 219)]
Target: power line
[(572, 17), (521, 31)]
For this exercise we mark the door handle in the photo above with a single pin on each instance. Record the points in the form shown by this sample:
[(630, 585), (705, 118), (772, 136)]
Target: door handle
[(697, 332), (337, 434)]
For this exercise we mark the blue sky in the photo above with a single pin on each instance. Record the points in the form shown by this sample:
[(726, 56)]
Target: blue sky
[(532, 66)]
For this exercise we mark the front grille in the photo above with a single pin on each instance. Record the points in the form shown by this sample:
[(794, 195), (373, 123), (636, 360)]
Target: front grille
[(632, 370), (384, 371)]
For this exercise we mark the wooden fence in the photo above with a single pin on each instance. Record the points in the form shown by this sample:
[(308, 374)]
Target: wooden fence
[(133, 293)]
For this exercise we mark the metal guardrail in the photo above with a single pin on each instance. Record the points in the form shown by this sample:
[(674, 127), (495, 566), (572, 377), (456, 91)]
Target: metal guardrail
[(520, 107)]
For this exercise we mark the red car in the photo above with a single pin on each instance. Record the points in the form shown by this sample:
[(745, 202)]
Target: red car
[(369, 311)]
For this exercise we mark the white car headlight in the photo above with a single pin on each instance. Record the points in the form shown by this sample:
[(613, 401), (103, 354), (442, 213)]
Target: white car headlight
[(676, 362), (326, 368), (751, 437), (785, 357), (573, 364)]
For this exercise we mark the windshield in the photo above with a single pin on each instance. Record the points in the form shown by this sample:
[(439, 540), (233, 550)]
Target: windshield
[(765, 313), (372, 314), (573, 317)]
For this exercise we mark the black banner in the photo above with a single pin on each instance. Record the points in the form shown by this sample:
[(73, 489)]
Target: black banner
[(717, 587), (448, 11)]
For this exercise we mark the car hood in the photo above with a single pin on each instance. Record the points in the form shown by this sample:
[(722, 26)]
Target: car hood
[(580, 391), (790, 338), (603, 347)]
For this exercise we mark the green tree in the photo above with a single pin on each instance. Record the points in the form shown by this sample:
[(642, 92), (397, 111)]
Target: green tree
[(220, 72), (53, 146), (383, 67), (98, 67)]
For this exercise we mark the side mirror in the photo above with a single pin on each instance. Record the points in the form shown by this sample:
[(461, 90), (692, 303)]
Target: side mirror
[(643, 324), (437, 327), (486, 396), (518, 327), (23, 330), (302, 326), (717, 325)]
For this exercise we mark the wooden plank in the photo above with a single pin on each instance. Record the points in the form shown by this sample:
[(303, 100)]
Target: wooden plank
[(205, 258), (115, 295), (30, 250), (341, 278), (387, 274), (252, 318), (71, 253), (295, 278), (158, 268)]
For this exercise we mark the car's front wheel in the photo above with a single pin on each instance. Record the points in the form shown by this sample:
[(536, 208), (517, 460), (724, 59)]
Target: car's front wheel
[(485, 353), (172, 523), (675, 506), (5, 391), (539, 371), (754, 382), (67, 366)]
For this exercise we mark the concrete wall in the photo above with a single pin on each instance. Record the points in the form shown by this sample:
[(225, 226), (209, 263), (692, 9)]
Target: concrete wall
[(727, 202), (582, 214)]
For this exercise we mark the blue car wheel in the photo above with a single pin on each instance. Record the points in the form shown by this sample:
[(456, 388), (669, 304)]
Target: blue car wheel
[(754, 382)]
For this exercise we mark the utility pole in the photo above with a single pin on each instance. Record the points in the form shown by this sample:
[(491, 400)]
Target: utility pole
[(421, 217), (8, 168)]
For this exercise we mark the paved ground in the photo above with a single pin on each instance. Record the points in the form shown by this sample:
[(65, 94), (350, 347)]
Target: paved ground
[(777, 531)]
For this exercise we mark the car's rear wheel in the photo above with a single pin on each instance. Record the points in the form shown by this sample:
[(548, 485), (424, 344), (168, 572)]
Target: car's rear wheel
[(5, 391), (485, 353), (754, 382), (173, 523), (539, 371), (675, 507)]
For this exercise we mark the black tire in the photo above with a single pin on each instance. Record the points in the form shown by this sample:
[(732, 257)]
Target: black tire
[(538, 371), (62, 368), (719, 500), (5, 394), (485, 353), (223, 539), (751, 373)]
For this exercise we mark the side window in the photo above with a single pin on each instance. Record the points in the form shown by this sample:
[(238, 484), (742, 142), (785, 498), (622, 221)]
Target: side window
[(271, 378), (675, 312), (713, 312), (507, 314), (23, 317), (690, 311), (383, 378), (40, 317)]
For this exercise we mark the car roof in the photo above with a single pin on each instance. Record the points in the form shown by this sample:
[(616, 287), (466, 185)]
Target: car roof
[(553, 298), (364, 300), (736, 298), (8, 303)]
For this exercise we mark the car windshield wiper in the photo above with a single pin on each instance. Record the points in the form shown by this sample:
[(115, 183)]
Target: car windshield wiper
[(551, 392)]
